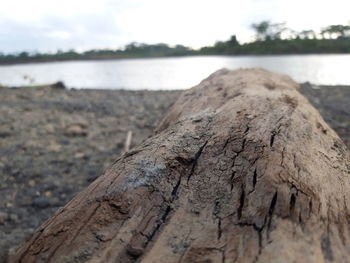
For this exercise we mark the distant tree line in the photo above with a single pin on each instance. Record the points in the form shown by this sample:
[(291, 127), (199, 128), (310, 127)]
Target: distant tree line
[(280, 46), (132, 50), (270, 38), (276, 38)]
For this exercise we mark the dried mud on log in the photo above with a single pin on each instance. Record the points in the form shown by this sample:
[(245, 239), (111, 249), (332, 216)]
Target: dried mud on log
[(241, 169)]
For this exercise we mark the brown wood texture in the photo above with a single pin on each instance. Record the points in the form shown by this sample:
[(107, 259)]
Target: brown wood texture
[(241, 169)]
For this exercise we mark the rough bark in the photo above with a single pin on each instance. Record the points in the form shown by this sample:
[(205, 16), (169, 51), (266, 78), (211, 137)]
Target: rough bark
[(241, 169)]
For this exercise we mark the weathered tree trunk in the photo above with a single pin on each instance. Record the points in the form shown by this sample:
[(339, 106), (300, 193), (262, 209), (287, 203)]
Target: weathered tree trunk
[(242, 169)]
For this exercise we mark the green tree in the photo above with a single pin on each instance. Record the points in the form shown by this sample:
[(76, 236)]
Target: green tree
[(307, 34), (261, 29), (233, 41), (265, 30), (23, 55)]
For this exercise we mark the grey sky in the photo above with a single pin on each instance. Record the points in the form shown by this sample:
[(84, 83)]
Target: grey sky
[(85, 24)]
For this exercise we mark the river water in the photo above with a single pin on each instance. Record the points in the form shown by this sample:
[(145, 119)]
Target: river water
[(173, 72)]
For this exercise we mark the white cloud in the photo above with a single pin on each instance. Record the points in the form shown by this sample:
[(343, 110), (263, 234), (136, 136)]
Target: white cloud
[(59, 34), (83, 24)]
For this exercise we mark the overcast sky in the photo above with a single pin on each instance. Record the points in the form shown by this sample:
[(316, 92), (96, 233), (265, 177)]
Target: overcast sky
[(48, 25)]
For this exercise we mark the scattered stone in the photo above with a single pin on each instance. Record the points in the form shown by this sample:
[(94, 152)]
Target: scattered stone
[(54, 147), (14, 218), (75, 130), (79, 155), (48, 194), (31, 183), (41, 202), (3, 217), (49, 128), (4, 134)]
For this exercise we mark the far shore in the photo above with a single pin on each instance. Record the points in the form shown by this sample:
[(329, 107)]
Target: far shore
[(106, 58), (45, 60)]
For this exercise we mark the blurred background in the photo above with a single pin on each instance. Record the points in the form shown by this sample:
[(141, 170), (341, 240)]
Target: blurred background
[(174, 44), (83, 81)]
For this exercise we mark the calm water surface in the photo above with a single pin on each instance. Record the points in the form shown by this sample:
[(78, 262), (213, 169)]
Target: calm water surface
[(173, 73)]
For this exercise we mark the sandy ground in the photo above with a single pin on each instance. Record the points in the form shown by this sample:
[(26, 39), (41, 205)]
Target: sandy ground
[(54, 142)]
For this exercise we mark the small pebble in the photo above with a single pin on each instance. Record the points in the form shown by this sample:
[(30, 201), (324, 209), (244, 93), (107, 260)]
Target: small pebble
[(3, 217), (79, 155), (48, 193), (14, 218), (31, 183), (40, 202)]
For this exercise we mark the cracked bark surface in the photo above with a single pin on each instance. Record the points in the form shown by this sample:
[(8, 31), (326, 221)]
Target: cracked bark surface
[(241, 169)]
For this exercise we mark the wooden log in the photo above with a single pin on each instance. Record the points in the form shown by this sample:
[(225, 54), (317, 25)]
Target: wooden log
[(241, 169)]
